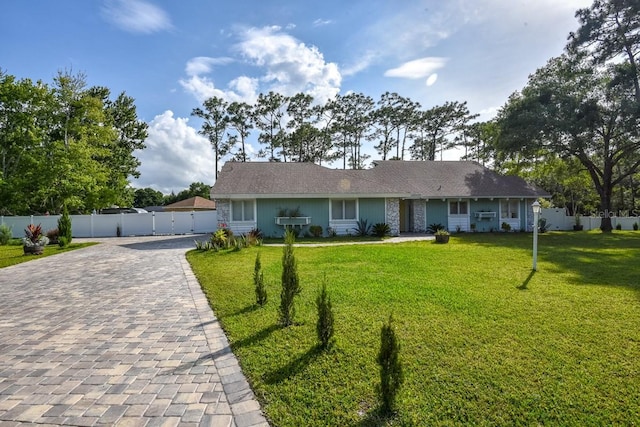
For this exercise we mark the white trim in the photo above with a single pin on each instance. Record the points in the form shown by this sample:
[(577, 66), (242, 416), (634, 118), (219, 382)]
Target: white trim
[(343, 199)]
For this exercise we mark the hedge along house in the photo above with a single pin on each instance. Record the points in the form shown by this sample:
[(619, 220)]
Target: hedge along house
[(407, 195)]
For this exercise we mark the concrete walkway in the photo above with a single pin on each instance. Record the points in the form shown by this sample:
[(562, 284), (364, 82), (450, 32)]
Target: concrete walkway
[(116, 334)]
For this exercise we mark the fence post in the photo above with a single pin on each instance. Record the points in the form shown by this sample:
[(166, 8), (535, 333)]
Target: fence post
[(193, 222), (153, 223)]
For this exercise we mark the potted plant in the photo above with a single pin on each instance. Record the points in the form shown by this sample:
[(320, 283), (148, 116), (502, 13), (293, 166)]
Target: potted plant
[(34, 240), (578, 223), (442, 236)]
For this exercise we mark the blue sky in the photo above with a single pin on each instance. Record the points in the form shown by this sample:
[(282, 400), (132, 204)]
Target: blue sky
[(171, 55)]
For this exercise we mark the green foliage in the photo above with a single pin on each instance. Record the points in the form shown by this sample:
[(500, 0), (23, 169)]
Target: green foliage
[(635, 226), (543, 225), (618, 226), (315, 230), (391, 376), (324, 325), (505, 226), (363, 228), (441, 232), (65, 144), (433, 228), (195, 189), (381, 229), (290, 281), (258, 282), (5, 234), (221, 237), (64, 228), (143, 197)]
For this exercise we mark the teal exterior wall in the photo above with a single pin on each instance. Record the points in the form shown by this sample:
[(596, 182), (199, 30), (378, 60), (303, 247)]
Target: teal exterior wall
[(268, 210), (437, 212), (485, 205), (372, 210), (318, 209)]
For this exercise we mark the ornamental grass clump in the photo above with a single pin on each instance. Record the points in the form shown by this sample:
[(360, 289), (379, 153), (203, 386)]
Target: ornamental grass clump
[(5, 234), (258, 282), (290, 280), (391, 376)]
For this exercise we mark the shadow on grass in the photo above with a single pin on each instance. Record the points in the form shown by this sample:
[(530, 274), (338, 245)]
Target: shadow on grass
[(525, 284), (294, 367), (255, 338), (376, 417), (248, 309), (592, 258)]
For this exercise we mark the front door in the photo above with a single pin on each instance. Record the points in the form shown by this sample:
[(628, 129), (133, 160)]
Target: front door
[(405, 216)]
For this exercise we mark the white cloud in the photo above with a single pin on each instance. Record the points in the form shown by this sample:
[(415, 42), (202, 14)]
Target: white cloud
[(282, 63), (204, 64), (360, 63), (322, 22), (431, 80), (176, 155), (136, 16), (417, 69)]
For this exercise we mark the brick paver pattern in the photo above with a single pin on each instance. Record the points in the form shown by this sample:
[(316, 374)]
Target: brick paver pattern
[(116, 334)]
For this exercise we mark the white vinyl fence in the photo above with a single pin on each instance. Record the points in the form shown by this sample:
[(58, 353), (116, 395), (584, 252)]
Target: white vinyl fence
[(107, 225), (559, 220)]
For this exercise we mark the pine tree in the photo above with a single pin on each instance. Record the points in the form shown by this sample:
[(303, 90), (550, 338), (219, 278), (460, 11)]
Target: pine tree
[(324, 327), (258, 281), (290, 280), (391, 377), (64, 228)]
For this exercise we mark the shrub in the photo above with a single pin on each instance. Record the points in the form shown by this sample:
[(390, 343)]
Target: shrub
[(505, 226), (331, 232), (254, 237), (290, 280), (635, 226), (54, 236), (64, 228), (258, 281), (618, 226), (432, 228), (391, 376), (5, 234), (220, 238), (324, 327), (543, 225), (33, 236), (363, 228), (381, 229), (315, 230)]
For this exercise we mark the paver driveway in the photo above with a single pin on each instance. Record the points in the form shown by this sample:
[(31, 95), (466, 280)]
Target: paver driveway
[(120, 334)]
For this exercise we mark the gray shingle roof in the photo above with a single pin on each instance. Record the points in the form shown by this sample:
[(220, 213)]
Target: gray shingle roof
[(423, 179)]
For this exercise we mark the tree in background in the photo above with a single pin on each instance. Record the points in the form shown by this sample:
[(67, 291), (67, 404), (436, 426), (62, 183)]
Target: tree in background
[(65, 145), (195, 189), (216, 120), (147, 197)]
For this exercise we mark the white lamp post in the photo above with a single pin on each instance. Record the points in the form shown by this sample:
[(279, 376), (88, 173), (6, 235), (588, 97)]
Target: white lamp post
[(536, 215)]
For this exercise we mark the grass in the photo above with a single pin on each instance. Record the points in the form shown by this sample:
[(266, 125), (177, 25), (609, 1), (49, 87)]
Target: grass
[(484, 340), (12, 253)]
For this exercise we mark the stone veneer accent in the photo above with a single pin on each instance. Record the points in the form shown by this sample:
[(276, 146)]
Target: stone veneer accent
[(419, 209), (223, 207), (393, 215)]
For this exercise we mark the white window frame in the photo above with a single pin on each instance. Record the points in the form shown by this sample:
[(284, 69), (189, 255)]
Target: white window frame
[(458, 203), (510, 203), (355, 201), (244, 209)]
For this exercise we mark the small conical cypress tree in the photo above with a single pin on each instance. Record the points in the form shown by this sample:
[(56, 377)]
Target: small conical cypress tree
[(258, 281), (324, 327), (64, 228), (290, 280), (391, 377)]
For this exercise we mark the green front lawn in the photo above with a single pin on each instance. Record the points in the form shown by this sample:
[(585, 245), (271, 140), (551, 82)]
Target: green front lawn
[(484, 340), (13, 254)]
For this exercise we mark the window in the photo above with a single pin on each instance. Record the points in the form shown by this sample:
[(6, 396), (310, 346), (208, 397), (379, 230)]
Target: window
[(343, 209), (242, 210), (458, 208), (509, 209)]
